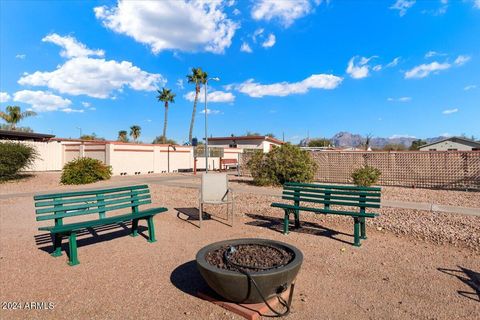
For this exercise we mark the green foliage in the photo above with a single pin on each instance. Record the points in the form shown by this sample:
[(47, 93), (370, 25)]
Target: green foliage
[(394, 147), (9, 127), (321, 142), (416, 144), (92, 137), (122, 136), (14, 157), (366, 176), (14, 114), (135, 132), (85, 170), (159, 140), (282, 164)]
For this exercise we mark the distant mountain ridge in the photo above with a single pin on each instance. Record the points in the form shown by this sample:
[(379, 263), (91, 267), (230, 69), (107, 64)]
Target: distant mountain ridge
[(347, 139)]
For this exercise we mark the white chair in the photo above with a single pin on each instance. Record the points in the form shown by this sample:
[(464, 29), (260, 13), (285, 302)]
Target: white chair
[(214, 190)]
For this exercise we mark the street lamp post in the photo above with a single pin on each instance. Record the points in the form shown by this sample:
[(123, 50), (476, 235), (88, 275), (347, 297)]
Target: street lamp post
[(206, 134), (80, 129)]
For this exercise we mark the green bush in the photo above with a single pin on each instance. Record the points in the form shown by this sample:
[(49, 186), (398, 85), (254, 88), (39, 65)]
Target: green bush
[(282, 164), (14, 157), (366, 176), (85, 170)]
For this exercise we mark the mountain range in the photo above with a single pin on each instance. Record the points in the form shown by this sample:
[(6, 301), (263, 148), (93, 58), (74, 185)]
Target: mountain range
[(347, 139)]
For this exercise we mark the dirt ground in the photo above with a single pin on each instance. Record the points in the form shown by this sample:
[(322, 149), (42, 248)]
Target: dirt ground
[(393, 275)]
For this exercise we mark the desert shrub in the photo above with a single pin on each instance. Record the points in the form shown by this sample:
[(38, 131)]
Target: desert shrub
[(282, 164), (14, 157), (365, 176), (85, 170)]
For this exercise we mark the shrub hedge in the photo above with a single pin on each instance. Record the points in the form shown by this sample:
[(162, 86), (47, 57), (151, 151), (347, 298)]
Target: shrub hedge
[(282, 164), (366, 176), (85, 170), (14, 157)]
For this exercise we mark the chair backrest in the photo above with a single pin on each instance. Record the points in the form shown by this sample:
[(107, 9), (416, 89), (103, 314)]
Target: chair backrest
[(214, 186), (70, 204)]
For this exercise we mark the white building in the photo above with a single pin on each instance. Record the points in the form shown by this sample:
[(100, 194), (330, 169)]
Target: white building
[(452, 144), (264, 143)]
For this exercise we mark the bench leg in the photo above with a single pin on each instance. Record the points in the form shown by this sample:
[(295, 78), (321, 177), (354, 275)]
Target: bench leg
[(134, 228), (57, 245), (356, 232), (286, 221), (72, 244), (297, 219), (363, 229), (151, 230)]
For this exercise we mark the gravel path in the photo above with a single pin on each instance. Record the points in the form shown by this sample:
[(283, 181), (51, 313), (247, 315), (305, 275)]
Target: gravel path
[(392, 276)]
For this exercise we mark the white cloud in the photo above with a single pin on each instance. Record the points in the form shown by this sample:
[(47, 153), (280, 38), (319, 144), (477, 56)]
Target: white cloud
[(236, 12), (396, 136), (393, 63), (21, 56), (378, 67), (71, 47), (432, 53), (476, 4), (70, 110), (450, 111), (86, 104), (401, 99), (246, 48), (470, 87), (171, 25), (270, 42), (461, 60), (214, 96), (402, 6), (42, 101), (284, 11), (424, 70), (360, 69), (282, 89), (212, 112), (180, 84), (98, 78), (4, 97), (257, 33)]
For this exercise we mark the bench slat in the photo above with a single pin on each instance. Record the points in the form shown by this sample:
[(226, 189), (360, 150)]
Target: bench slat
[(324, 211), (339, 203), (85, 212), (109, 220), (339, 192), (332, 196), (93, 198), (339, 187), (95, 204), (87, 193)]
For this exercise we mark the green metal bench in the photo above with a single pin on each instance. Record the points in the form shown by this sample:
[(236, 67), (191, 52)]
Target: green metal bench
[(349, 196), (74, 205)]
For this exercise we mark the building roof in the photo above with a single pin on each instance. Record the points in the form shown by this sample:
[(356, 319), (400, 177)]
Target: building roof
[(20, 135), (454, 139), (231, 138)]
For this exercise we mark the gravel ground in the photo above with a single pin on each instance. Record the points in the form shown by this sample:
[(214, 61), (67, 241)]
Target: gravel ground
[(394, 275)]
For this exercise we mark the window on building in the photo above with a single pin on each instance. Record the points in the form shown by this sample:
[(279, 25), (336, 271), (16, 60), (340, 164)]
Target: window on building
[(475, 149), (452, 149), (432, 149)]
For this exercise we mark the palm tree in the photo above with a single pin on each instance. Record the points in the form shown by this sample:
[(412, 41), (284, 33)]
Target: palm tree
[(14, 114), (135, 132), (166, 96), (198, 77), (122, 136)]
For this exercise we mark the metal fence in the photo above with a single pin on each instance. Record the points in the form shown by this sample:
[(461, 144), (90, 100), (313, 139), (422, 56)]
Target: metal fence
[(424, 169)]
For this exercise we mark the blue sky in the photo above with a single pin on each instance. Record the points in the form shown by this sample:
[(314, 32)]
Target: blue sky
[(387, 68)]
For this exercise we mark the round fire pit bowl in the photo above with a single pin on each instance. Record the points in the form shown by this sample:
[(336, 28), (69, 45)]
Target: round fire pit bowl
[(235, 285)]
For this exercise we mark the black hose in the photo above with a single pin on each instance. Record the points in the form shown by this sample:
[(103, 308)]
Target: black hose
[(241, 268)]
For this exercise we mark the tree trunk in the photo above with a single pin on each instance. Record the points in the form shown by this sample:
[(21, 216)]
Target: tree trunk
[(165, 124), (197, 90)]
